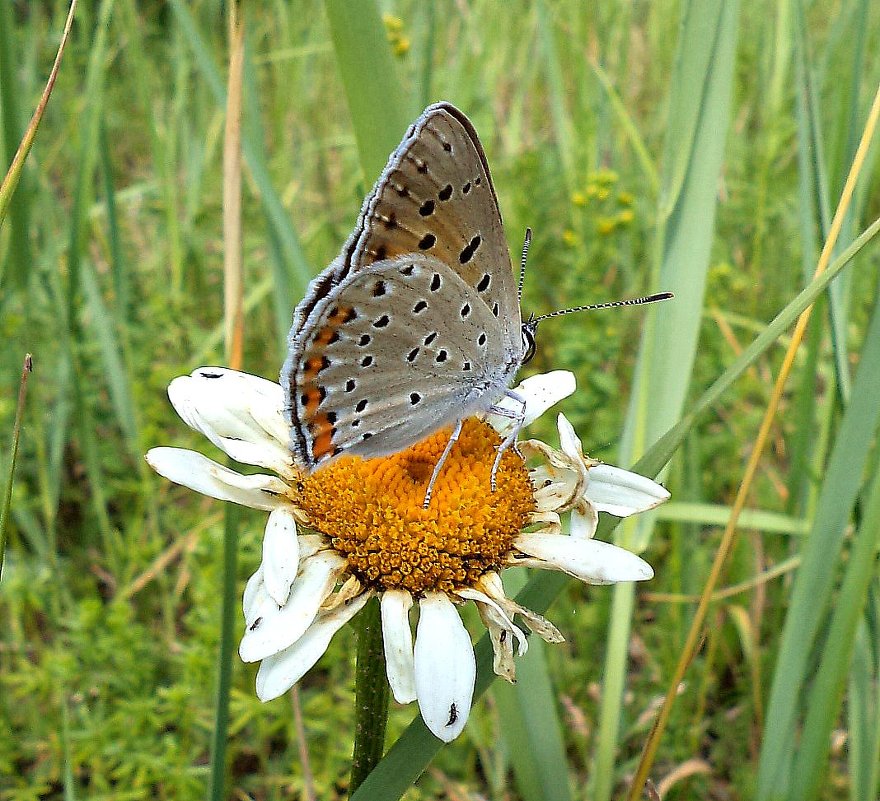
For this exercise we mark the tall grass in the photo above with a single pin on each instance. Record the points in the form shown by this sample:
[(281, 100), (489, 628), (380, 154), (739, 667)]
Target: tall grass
[(700, 147)]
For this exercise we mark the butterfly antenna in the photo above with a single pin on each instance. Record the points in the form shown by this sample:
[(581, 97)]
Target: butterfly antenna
[(610, 305), (522, 262)]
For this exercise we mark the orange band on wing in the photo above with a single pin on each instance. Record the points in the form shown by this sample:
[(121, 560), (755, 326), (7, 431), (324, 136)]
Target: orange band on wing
[(322, 431), (321, 424), (338, 316), (311, 399)]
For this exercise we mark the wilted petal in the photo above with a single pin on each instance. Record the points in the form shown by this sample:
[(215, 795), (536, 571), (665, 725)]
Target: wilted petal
[(398, 642), (275, 628), (491, 584), (568, 439), (502, 632), (280, 554), (588, 560), (445, 667), (540, 392), (537, 623), (622, 493), (547, 522), (279, 672), (344, 594), (502, 643), (234, 410), (500, 615), (204, 475)]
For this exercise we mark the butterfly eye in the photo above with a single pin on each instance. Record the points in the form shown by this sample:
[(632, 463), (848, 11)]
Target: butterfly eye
[(528, 339)]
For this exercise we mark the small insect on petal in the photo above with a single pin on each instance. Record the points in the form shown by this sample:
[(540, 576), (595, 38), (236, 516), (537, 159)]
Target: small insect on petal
[(445, 667)]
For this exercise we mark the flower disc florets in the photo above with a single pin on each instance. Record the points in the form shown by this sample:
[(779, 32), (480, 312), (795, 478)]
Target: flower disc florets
[(373, 513)]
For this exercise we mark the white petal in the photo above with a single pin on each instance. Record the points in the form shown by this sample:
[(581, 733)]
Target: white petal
[(263, 400), (584, 519), (280, 554), (568, 439), (279, 672), (588, 560), (254, 596), (397, 638), (310, 544), (445, 667), (622, 493), (239, 413), (540, 392), (204, 475), (275, 628)]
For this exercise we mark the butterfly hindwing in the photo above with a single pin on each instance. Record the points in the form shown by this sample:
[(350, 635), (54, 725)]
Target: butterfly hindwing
[(365, 372)]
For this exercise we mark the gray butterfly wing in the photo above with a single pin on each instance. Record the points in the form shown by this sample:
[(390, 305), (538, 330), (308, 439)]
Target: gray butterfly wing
[(399, 351), (435, 196)]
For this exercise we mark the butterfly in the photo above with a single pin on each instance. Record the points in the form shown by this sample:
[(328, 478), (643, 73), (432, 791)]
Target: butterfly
[(416, 325)]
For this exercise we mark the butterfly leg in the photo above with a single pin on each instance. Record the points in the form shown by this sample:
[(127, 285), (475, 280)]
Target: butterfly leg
[(519, 417), (453, 438)]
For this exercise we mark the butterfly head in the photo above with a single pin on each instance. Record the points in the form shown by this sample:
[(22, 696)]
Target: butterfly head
[(529, 328)]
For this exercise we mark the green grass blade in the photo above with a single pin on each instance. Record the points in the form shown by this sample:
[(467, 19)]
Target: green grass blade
[(811, 596), (119, 266), (652, 462), (829, 682), (706, 514), (6, 501), (114, 370), (379, 113), (226, 654), (13, 175), (532, 729), (698, 120), (625, 120), (530, 723), (278, 218), (558, 92), (284, 293), (18, 256), (864, 716), (161, 135)]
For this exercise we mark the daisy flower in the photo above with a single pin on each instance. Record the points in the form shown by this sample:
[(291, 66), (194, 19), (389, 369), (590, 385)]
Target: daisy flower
[(357, 529)]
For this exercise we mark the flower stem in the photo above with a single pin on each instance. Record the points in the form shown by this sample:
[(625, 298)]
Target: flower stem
[(371, 695)]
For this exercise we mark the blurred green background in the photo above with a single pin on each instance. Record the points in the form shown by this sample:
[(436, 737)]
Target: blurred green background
[(649, 145)]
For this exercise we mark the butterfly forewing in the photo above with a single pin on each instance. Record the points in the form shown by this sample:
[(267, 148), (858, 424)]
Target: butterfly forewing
[(435, 197), (368, 371)]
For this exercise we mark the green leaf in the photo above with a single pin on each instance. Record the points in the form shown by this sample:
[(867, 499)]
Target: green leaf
[(375, 99), (530, 721), (699, 115), (812, 595)]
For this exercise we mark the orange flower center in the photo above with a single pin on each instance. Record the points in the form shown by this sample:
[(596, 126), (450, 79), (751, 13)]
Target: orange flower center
[(372, 511)]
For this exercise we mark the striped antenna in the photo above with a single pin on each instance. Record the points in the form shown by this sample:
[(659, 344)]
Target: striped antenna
[(609, 305), (533, 321), (522, 262)]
